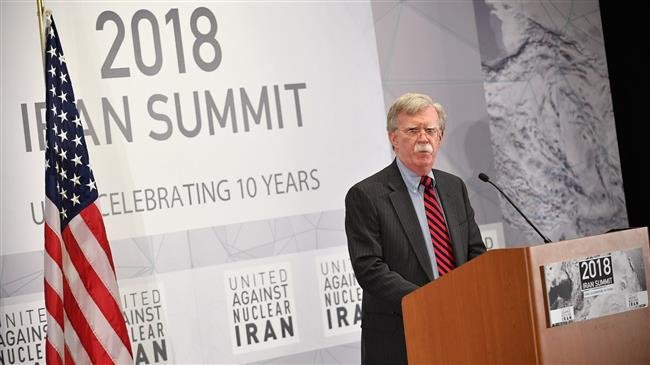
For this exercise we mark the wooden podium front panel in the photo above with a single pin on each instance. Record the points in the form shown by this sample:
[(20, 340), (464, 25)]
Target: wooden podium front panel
[(458, 319), (622, 338)]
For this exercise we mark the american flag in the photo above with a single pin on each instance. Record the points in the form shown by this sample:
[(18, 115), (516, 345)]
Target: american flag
[(84, 318)]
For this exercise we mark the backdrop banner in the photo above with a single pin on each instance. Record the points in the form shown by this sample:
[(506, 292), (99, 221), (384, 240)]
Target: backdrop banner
[(218, 134)]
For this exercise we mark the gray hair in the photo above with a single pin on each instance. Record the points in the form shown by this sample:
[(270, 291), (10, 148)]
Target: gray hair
[(413, 103)]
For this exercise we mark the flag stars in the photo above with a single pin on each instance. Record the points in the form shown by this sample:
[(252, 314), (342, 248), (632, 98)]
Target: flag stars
[(52, 51), (74, 199), (63, 136), (75, 179), (62, 154), (77, 160), (77, 121), (91, 185), (69, 180)]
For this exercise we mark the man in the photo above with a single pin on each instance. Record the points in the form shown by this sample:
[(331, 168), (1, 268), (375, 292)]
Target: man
[(406, 226)]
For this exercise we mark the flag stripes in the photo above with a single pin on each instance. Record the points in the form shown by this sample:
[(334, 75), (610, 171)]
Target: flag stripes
[(75, 353)]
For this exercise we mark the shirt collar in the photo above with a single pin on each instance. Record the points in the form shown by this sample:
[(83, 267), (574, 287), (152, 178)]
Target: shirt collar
[(411, 179)]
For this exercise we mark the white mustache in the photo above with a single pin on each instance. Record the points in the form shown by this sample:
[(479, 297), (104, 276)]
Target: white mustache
[(423, 147)]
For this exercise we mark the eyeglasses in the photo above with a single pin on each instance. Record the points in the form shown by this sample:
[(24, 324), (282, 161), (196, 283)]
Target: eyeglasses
[(429, 131)]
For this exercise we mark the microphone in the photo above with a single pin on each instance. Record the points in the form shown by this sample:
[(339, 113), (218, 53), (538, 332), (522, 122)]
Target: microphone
[(486, 178)]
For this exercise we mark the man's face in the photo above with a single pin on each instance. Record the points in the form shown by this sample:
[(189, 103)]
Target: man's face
[(417, 139)]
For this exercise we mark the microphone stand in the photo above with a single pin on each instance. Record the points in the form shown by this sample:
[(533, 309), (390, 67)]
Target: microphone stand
[(485, 178)]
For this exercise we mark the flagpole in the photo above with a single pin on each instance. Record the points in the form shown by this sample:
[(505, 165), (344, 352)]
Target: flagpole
[(40, 9)]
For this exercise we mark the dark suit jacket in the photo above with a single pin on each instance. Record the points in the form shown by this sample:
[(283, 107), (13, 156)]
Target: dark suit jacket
[(389, 256)]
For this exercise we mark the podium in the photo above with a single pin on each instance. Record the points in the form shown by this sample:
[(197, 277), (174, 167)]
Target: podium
[(493, 310)]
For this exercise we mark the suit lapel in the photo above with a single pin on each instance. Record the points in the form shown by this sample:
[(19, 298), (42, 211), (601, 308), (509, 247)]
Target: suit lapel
[(450, 209), (403, 205)]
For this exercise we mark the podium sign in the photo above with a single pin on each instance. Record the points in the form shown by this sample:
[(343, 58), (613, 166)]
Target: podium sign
[(595, 286)]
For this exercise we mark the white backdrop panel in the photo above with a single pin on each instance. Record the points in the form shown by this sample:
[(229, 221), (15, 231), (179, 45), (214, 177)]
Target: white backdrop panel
[(244, 112)]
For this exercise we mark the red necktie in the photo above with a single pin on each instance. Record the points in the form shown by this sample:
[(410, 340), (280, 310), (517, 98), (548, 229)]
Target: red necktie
[(437, 228)]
